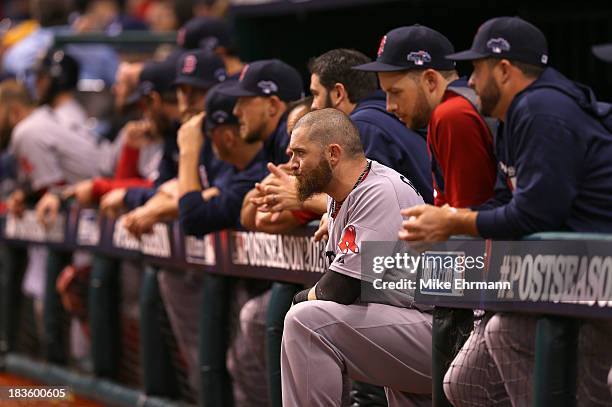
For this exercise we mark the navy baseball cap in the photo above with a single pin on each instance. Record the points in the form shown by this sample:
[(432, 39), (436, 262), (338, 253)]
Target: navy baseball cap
[(219, 107), (155, 76), (603, 52), (202, 69), (507, 37), (268, 77), (204, 32), (413, 47)]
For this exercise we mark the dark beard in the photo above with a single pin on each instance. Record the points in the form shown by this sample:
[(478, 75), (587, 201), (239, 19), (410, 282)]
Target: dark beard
[(489, 98), (422, 112), (315, 181)]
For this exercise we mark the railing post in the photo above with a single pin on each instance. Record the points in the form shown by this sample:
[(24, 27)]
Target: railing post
[(54, 341), (214, 342), (104, 320), (556, 350), (159, 376), (281, 298), (13, 261)]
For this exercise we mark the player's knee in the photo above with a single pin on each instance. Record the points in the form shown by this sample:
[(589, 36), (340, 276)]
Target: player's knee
[(454, 385), (303, 316), (493, 331)]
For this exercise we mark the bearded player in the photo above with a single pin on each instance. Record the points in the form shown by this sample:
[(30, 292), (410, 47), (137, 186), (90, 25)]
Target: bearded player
[(332, 333)]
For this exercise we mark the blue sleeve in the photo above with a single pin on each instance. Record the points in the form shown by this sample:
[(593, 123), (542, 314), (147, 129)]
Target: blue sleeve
[(135, 197), (549, 159), (199, 217), (502, 196), (168, 165)]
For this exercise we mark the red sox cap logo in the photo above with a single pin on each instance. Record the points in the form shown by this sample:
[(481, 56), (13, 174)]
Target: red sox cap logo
[(180, 37), (348, 240), (189, 64), (243, 72), (381, 47), (419, 57)]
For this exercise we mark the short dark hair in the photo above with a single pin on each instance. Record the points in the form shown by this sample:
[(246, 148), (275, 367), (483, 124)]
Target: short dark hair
[(305, 101), (335, 67), (331, 126), (529, 70)]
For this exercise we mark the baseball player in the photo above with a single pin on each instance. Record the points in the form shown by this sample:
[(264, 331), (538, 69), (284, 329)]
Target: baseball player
[(424, 90), (330, 334), (553, 130), (214, 35)]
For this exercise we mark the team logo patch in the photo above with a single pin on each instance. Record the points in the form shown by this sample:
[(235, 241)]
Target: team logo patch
[(498, 45), (209, 43), (267, 87), (381, 47), (544, 59), (219, 116), (348, 241), (220, 75), (189, 64), (243, 72), (419, 57)]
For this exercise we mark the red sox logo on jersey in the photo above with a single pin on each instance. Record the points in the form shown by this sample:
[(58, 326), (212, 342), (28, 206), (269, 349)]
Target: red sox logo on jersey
[(381, 47), (189, 64), (347, 242)]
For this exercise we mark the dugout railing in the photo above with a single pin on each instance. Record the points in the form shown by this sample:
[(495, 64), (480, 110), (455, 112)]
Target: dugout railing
[(229, 254)]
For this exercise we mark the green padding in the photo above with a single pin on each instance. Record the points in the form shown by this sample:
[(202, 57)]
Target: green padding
[(104, 299), (100, 390), (281, 298), (55, 343), (214, 341), (159, 376), (12, 267), (568, 236), (555, 363)]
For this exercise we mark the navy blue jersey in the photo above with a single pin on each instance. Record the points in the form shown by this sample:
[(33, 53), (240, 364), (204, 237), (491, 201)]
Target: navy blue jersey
[(275, 146), (199, 217), (387, 140), (554, 163)]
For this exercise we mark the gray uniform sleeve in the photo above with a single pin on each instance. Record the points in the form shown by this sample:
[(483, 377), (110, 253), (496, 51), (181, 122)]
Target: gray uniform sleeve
[(38, 161)]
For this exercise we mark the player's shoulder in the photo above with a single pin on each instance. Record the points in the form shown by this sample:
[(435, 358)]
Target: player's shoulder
[(36, 123), (454, 108), (388, 187)]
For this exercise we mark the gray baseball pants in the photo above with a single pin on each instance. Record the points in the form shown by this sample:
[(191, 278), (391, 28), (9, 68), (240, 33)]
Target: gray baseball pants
[(509, 341), (324, 343)]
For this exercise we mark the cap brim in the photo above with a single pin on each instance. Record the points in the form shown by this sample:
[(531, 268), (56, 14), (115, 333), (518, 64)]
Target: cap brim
[(135, 97), (468, 55), (193, 81), (603, 52), (236, 90), (380, 67)]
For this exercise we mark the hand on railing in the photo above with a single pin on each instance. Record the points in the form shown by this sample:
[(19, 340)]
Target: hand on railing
[(112, 202), (47, 209), (15, 203)]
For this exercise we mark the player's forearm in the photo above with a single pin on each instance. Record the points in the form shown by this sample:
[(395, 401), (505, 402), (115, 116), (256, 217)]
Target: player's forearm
[(188, 177), (316, 204), (248, 212), (163, 207)]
